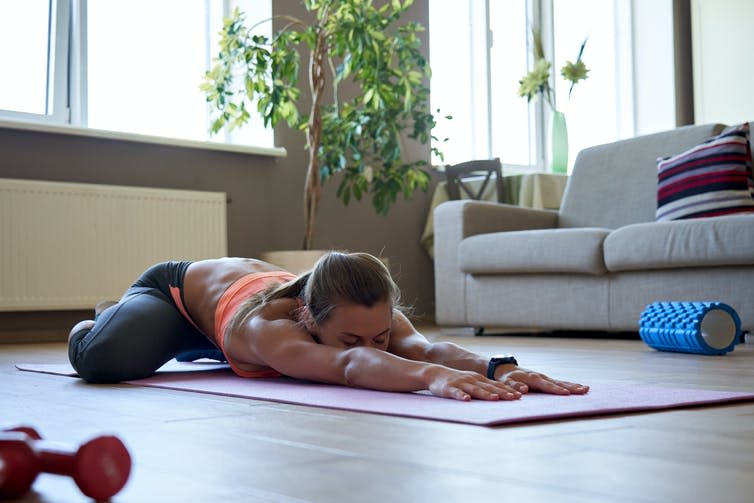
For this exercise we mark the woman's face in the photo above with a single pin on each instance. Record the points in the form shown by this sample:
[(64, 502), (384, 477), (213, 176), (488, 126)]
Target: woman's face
[(353, 325)]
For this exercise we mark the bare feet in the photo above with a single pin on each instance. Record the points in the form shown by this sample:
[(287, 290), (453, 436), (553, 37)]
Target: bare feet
[(81, 325), (102, 305), (89, 324)]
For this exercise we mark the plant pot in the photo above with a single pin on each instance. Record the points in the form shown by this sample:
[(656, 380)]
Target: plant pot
[(293, 261), (299, 261)]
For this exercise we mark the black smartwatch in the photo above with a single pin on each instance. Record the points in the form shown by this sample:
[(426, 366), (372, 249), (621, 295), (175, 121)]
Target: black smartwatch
[(499, 360)]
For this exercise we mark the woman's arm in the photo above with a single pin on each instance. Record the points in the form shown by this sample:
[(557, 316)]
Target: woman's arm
[(406, 341), (283, 345)]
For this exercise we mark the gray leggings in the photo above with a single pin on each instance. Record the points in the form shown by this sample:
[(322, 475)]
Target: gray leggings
[(139, 334)]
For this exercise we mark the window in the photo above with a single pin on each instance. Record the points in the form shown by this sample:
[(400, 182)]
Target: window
[(29, 94), (133, 67), (511, 134), (143, 69), (33, 59), (600, 108), (479, 50)]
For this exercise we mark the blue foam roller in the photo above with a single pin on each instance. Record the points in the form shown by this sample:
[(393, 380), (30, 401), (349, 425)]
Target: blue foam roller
[(707, 328)]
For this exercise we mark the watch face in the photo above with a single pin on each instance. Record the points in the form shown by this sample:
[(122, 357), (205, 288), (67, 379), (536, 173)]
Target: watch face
[(501, 359)]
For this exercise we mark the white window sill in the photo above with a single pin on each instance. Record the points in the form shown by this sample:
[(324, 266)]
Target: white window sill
[(140, 138)]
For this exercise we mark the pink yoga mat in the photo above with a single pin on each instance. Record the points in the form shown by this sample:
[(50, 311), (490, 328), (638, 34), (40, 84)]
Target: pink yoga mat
[(603, 398)]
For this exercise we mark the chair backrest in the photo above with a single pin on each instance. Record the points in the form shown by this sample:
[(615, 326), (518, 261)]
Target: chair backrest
[(615, 184), (458, 176)]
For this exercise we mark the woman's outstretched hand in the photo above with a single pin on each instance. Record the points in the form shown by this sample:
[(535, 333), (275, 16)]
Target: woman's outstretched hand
[(467, 385), (523, 381)]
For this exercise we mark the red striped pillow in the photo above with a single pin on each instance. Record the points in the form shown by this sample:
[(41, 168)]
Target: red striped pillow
[(711, 179)]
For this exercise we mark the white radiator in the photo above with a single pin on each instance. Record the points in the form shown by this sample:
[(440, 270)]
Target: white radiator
[(68, 246)]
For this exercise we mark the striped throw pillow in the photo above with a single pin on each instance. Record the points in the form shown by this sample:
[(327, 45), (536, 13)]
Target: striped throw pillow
[(711, 179)]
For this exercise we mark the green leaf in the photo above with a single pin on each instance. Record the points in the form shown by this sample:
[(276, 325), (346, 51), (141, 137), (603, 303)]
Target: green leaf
[(368, 96)]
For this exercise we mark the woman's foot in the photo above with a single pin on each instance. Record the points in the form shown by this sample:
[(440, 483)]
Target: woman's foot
[(81, 325), (102, 305), (89, 324)]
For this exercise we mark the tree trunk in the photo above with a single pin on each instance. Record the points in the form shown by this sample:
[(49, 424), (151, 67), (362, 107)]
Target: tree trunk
[(312, 186)]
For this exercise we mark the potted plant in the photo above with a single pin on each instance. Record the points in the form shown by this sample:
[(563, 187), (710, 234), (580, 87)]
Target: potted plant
[(349, 41)]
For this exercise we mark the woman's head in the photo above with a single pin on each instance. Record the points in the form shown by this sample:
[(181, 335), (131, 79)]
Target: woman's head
[(348, 278), (349, 300)]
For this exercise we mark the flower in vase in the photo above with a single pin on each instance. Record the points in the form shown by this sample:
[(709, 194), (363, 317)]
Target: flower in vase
[(575, 72), (536, 83)]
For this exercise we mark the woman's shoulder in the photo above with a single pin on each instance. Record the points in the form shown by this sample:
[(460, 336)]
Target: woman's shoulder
[(276, 321), (286, 308)]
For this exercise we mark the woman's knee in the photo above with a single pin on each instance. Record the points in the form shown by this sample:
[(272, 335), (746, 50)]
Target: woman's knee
[(83, 360), (94, 363), (130, 340), (96, 366), (99, 355)]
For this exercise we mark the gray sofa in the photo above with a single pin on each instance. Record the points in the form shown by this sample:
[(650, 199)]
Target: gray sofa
[(597, 262)]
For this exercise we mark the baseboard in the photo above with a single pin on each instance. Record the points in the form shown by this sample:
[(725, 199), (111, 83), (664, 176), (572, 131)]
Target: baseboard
[(32, 336), (20, 327), (487, 330)]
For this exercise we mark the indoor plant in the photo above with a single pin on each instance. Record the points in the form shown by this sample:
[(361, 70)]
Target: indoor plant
[(537, 83), (348, 41)]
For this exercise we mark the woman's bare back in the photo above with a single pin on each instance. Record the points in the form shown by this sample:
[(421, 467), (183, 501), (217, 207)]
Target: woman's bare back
[(207, 280)]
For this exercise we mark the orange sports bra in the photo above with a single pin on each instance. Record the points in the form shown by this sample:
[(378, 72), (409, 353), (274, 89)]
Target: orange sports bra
[(231, 300)]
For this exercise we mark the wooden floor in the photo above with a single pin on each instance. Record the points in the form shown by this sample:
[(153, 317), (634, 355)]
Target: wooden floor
[(191, 447)]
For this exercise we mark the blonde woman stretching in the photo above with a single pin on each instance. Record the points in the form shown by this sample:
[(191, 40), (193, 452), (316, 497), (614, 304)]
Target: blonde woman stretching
[(339, 323)]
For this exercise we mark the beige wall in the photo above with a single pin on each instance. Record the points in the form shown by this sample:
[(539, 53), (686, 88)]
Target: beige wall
[(722, 44), (265, 193)]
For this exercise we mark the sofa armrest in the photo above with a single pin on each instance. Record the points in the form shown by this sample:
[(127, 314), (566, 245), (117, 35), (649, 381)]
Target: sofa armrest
[(457, 220), (482, 217)]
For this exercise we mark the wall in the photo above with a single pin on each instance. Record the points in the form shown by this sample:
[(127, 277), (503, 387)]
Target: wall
[(722, 42), (265, 194), (689, 64)]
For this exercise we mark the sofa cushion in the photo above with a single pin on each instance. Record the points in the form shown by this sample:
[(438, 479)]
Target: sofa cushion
[(577, 251), (705, 242), (710, 179)]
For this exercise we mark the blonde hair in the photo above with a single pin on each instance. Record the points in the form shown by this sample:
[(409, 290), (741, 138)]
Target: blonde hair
[(336, 278)]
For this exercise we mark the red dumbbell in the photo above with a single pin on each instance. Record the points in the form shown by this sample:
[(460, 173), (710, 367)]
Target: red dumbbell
[(100, 467), (12, 482), (33, 434)]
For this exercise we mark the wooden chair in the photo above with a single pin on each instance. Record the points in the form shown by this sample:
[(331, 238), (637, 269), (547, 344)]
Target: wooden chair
[(458, 176)]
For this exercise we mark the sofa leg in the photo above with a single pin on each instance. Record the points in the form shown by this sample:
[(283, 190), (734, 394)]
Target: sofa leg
[(478, 331)]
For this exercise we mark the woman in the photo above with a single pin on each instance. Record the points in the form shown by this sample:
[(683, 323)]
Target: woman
[(339, 323)]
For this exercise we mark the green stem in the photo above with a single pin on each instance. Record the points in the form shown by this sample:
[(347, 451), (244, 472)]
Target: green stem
[(334, 84)]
